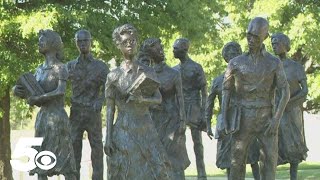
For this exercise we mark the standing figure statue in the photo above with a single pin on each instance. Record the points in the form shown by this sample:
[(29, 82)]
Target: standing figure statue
[(132, 145), (248, 109), (229, 51), (52, 123), (169, 116), (292, 145), (194, 88), (87, 76)]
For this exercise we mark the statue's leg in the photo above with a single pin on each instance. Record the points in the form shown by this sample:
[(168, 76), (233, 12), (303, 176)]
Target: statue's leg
[(293, 171), (76, 136), (95, 139), (255, 171), (198, 150), (239, 150), (269, 156), (42, 177), (178, 175), (228, 173), (70, 177)]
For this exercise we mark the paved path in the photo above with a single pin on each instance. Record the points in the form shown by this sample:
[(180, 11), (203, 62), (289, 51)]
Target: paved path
[(312, 128)]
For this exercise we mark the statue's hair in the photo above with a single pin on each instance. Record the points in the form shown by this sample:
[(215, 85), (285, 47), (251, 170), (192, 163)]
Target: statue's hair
[(148, 43), (82, 31), (54, 42), (259, 24), (283, 38), (229, 45), (121, 30), (185, 43)]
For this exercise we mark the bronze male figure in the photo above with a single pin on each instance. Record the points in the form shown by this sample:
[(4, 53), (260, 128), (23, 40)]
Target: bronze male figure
[(194, 89), (88, 76), (251, 79)]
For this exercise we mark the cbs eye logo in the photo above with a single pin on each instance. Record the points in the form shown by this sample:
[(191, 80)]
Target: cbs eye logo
[(44, 160)]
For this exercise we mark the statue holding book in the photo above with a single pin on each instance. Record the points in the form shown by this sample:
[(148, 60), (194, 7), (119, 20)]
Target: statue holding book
[(132, 145), (223, 157), (46, 89), (251, 80)]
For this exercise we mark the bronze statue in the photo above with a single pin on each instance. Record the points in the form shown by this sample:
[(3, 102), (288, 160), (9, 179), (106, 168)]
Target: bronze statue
[(292, 145), (52, 121), (248, 109), (194, 88), (87, 76), (132, 143), (169, 116), (223, 158)]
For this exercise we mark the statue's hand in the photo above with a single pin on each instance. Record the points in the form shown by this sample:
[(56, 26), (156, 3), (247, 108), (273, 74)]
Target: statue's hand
[(137, 98), (108, 148), (209, 133), (34, 100), (272, 127), (19, 91)]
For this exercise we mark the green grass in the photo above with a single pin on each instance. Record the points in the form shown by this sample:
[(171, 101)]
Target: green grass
[(306, 171)]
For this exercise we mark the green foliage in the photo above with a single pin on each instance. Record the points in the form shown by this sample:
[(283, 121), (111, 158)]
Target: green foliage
[(208, 25), (20, 23), (20, 114)]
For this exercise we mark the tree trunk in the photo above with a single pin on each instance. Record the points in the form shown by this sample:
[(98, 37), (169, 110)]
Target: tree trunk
[(5, 149)]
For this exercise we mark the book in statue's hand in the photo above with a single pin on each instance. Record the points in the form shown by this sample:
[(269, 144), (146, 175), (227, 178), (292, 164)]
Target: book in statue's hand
[(144, 85), (30, 84)]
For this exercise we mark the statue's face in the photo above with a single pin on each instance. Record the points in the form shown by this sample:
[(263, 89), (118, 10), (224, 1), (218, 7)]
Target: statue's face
[(145, 60), (179, 50), (254, 41), (83, 42), (278, 46), (128, 44), (231, 52), (156, 52), (43, 44)]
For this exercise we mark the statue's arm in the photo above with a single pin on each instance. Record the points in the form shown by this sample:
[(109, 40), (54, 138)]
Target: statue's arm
[(210, 105), (179, 97), (228, 86), (283, 86), (302, 94), (155, 99), (59, 91)]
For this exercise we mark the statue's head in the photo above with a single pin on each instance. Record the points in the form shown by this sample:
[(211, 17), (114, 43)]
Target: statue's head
[(280, 43), (83, 41), (50, 40), (231, 50), (153, 47), (126, 37), (181, 47), (257, 32)]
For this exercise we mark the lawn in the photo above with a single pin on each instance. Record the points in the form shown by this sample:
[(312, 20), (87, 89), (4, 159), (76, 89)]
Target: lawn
[(306, 171)]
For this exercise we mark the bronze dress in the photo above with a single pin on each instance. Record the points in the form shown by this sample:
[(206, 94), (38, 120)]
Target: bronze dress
[(292, 145), (139, 153), (167, 116), (52, 123)]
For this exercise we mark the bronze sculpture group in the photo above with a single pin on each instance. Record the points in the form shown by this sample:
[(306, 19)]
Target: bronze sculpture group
[(149, 105)]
